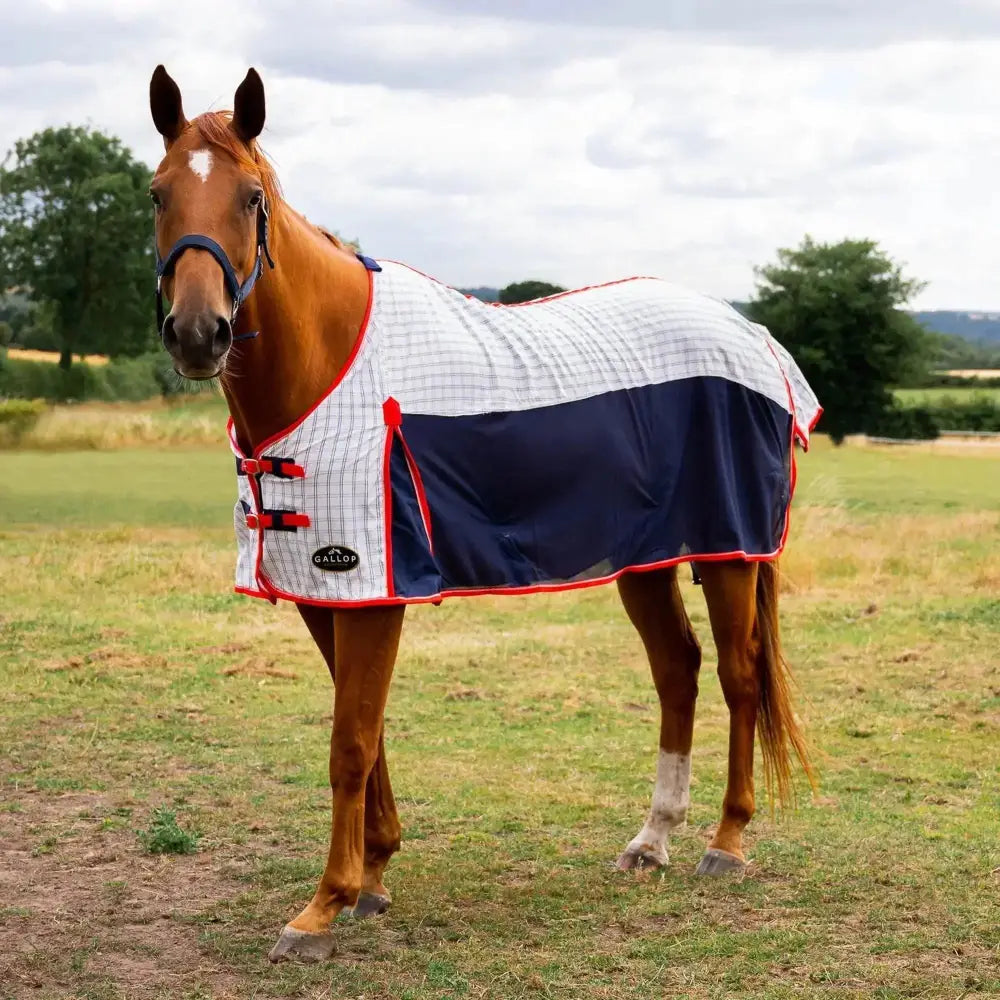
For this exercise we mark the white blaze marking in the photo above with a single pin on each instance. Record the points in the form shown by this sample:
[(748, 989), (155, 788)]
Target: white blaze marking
[(671, 798), (201, 163)]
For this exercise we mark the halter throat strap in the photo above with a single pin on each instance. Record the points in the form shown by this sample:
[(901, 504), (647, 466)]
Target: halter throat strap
[(237, 292)]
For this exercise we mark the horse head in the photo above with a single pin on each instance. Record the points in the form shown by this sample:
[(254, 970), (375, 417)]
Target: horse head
[(212, 193)]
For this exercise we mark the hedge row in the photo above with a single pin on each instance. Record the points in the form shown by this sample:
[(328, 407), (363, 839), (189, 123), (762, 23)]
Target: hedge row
[(980, 413), (126, 379), (975, 413), (941, 380), (17, 417)]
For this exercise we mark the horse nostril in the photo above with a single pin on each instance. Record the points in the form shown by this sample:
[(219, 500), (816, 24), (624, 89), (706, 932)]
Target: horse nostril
[(168, 334), (223, 338)]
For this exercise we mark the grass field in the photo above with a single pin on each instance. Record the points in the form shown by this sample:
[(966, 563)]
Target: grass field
[(521, 738), (963, 394)]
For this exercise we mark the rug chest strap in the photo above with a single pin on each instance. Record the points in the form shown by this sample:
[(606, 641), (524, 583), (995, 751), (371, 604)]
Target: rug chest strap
[(278, 520), (283, 468)]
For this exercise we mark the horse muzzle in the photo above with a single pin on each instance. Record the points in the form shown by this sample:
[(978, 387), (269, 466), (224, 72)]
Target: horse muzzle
[(198, 342)]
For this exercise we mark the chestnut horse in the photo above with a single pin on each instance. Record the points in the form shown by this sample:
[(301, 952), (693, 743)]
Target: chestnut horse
[(216, 194)]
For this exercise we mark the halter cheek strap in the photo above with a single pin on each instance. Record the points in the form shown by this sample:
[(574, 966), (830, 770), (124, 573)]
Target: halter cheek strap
[(237, 292)]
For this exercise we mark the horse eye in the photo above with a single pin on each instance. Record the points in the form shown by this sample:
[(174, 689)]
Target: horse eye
[(255, 199), (155, 199)]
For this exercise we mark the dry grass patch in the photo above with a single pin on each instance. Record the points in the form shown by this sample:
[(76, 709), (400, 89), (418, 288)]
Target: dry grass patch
[(109, 426)]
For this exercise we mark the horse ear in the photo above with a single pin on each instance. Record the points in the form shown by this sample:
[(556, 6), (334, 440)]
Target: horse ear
[(165, 104), (248, 107)]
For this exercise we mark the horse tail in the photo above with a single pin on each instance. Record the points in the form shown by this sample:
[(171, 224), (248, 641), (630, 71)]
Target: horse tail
[(777, 727)]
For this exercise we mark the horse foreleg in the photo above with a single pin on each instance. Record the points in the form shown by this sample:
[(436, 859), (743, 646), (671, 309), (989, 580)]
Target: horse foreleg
[(382, 837), (654, 606), (730, 592), (382, 827), (365, 645)]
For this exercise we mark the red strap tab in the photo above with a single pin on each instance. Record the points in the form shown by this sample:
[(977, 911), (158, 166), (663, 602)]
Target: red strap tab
[(255, 521), (392, 413), (277, 467)]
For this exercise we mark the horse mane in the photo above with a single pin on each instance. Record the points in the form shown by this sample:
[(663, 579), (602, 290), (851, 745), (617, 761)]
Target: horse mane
[(214, 127), (335, 240)]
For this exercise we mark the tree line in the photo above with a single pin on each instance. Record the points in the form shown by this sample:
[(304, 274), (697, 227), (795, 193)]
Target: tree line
[(76, 275)]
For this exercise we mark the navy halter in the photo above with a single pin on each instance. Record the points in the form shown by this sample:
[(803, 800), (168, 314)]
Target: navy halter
[(237, 292)]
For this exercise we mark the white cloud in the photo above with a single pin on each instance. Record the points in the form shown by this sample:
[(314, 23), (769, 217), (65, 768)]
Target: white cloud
[(489, 142)]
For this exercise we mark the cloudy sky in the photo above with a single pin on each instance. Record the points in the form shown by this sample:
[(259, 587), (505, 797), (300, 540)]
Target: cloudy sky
[(485, 141)]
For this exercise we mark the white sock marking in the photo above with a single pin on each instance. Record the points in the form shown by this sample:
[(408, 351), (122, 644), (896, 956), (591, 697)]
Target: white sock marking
[(671, 798), (200, 162)]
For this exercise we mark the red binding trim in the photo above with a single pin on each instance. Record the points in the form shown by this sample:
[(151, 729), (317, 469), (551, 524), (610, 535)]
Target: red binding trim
[(390, 584), (539, 588), (812, 425), (533, 302), (231, 434), (258, 562), (418, 486), (341, 375), (393, 416), (793, 471)]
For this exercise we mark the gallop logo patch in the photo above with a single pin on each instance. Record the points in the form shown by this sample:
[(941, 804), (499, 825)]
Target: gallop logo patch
[(335, 558)]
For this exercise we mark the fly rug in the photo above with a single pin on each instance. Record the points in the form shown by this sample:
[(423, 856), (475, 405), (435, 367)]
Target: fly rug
[(397, 442), (470, 448)]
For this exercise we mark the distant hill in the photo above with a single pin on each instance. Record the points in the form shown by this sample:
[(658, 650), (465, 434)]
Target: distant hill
[(486, 294), (981, 327)]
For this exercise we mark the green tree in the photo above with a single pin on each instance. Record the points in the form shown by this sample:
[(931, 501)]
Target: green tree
[(75, 232), (525, 291), (836, 308)]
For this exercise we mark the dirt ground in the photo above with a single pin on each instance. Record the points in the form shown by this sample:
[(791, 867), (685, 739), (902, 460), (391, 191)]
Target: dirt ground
[(84, 908)]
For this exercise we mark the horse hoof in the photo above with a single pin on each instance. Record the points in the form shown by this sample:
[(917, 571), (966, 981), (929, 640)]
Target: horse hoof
[(716, 862), (369, 904), (641, 859), (302, 946)]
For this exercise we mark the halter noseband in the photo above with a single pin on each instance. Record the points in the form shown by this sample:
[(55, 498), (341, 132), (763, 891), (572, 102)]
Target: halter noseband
[(237, 292)]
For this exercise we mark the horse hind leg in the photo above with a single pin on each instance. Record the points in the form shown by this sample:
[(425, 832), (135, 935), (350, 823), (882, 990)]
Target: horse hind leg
[(653, 603), (742, 608)]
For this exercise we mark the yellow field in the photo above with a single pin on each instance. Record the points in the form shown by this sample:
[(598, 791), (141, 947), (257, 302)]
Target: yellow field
[(21, 354)]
